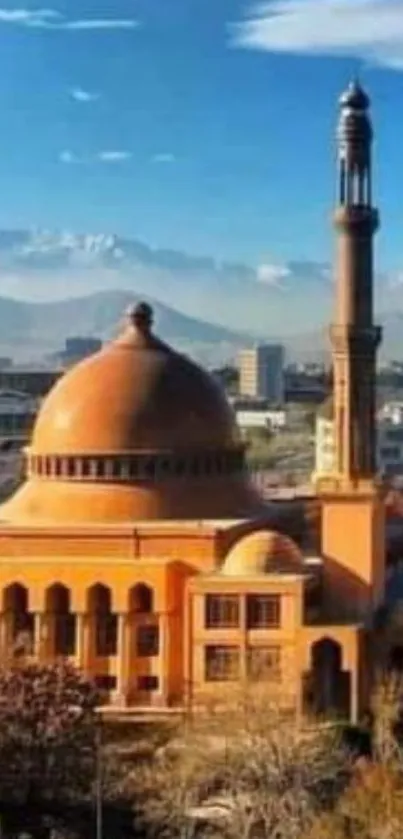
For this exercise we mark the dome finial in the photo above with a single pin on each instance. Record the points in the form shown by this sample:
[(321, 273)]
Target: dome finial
[(354, 97), (140, 315)]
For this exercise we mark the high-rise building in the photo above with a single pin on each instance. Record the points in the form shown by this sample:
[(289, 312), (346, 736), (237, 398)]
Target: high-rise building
[(77, 348), (261, 372)]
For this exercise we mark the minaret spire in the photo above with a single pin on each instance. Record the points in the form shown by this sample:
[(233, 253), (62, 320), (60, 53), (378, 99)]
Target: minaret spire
[(354, 336)]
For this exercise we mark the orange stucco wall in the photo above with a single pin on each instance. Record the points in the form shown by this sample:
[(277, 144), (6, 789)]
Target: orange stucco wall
[(353, 544), (180, 563)]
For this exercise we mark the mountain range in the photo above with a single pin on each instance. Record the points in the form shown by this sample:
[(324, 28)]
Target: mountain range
[(55, 285)]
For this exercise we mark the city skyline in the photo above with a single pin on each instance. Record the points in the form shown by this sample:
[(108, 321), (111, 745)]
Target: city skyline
[(186, 137)]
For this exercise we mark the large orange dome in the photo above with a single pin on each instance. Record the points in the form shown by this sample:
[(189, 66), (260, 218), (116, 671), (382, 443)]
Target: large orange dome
[(137, 431), (136, 393)]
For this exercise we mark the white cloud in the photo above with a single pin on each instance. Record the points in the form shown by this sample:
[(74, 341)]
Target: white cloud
[(107, 23), (80, 95), (272, 275), (114, 156), (24, 17), (67, 156), (369, 30), (164, 157), (51, 19)]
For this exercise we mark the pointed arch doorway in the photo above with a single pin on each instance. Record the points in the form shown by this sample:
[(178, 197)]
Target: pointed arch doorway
[(327, 686)]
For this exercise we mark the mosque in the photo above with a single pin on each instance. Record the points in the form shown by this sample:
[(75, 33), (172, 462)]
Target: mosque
[(138, 549)]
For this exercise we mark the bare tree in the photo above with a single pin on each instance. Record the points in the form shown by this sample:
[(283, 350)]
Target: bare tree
[(242, 770)]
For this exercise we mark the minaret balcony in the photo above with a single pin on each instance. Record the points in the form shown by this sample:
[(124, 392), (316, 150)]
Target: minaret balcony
[(354, 339), (357, 219)]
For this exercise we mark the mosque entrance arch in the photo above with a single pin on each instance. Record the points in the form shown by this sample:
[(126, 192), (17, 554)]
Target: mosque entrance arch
[(327, 685)]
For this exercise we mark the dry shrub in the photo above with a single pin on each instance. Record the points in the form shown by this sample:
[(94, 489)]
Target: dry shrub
[(372, 805), (242, 770)]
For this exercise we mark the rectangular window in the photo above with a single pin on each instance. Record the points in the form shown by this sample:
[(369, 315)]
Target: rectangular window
[(105, 682), (221, 611), (148, 683), (263, 611), (148, 641), (263, 664), (106, 636), (222, 663)]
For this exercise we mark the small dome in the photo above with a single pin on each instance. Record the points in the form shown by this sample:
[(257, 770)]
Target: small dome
[(354, 97), (262, 552)]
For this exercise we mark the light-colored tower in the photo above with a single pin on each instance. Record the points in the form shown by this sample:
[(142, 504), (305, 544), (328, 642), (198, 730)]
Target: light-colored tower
[(353, 527)]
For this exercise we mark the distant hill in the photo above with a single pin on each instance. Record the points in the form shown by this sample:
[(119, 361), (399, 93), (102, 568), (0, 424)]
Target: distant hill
[(33, 330)]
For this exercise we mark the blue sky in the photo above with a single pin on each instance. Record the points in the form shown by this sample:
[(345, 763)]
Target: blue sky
[(160, 120)]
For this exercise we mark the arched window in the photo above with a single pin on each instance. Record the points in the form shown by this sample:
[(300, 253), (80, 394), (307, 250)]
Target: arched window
[(141, 599), (19, 620), (147, 633), (62, 621), (104, 620)]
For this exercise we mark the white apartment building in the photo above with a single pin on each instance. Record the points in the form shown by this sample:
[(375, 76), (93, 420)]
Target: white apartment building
[(389, 439), (270, 420), (261, 372)]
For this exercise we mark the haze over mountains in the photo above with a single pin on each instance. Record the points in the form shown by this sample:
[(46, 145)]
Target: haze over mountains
[(32, 331), (203, 307)]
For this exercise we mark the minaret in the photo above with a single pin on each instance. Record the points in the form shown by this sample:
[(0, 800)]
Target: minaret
[(353, 516), (354, 336)]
